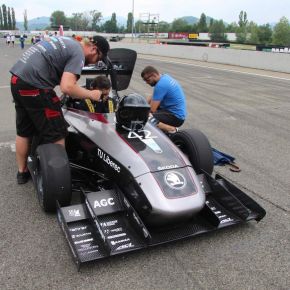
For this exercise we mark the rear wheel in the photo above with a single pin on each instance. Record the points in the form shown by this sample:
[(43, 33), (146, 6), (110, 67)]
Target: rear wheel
[(196, 146), (53, 176)]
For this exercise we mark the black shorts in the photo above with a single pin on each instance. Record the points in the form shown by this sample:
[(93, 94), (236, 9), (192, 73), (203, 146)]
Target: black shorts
[(38, 112), (168, 118)]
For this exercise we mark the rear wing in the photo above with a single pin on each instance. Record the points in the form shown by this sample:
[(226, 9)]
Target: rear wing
[(119, 65)]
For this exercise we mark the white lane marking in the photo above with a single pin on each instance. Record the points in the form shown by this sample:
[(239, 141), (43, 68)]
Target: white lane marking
[(4, 87), (217, 68), (10, 145)]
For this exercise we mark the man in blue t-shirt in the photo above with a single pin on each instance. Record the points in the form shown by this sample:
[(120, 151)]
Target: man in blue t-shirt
[(168, 105)]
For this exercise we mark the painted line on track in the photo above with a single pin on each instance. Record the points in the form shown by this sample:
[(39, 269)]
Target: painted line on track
[(4, 87)]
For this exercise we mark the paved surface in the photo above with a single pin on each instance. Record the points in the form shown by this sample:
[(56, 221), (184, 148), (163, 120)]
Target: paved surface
[(245, 114)]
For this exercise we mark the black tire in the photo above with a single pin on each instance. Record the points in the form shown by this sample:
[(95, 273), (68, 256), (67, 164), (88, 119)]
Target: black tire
[(53, 176), (196, 146)]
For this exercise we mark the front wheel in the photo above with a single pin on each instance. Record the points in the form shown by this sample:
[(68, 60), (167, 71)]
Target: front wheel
[(196, 146), (53, 176)]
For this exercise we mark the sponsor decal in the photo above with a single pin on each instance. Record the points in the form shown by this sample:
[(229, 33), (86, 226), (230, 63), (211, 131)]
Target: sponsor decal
[(83, 241), (94, 251), (81, 235), (74, 212), (223, 218), (116, 230), (104, 202), (106, 158), (126, 246), (117, 236), (109, 224), (119, 241), (87, 247), (167, 167), (175, 180), (78, 229), (226, 220)]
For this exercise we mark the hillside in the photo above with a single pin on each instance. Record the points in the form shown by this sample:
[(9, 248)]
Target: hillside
[(43, 22), (38, 23)]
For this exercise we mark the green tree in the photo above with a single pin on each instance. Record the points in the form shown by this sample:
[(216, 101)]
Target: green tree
[(232, 27), (86, 19), (265, 34), (13, 19), (202, 25), (242, 32), (25, 23), (253, 33), (1, 18), (129, 22), (75, 22), (80, 21), (110, 26), (57, 18), (9, 21), (210, 23), (114, 23), (96, 18), (218, 31), (163, 26), (281, 32), (139, 26), (4, 12), (122, 29), (243, 20), (194, 28), (180, 25)]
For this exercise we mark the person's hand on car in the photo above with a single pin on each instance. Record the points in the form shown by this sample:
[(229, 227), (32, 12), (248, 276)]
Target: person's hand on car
[(95, 95)]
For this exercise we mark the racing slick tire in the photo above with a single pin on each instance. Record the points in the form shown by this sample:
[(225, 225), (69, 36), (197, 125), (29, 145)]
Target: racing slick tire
[(53, 176), (196, 146)]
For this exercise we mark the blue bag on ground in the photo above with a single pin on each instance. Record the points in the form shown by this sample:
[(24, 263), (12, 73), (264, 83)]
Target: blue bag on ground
[(221, 158)]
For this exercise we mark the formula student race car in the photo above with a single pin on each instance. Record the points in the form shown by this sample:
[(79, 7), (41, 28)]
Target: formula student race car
[(121, 184)]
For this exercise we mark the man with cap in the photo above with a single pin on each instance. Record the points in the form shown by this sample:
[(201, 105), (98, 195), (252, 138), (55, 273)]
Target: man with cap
[(51, 62)]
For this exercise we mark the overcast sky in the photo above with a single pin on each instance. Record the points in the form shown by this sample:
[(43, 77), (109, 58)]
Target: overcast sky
[(259, 11)]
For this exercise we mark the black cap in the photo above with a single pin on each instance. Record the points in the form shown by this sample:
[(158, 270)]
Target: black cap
[(101, 43)]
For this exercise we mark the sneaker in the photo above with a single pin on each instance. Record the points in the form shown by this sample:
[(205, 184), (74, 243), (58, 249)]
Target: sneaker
[(23, 177)]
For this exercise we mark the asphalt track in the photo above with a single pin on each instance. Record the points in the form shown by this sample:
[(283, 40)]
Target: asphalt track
[(245, 113)]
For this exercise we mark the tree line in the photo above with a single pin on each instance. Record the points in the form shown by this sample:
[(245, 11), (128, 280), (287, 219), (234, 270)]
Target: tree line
[(246, 31), (89, 21), (7, 18)]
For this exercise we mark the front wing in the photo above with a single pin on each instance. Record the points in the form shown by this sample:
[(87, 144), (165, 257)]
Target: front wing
[(106, 224)]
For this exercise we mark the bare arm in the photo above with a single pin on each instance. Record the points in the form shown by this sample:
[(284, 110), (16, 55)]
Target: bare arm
[(69, 86), (154, 106)]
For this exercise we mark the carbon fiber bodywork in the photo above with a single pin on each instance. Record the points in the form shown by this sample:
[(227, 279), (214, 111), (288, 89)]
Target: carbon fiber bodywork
[(106, 224)]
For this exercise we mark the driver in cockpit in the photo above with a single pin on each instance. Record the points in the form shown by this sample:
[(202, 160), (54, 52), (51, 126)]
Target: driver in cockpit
[(103, 84)]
